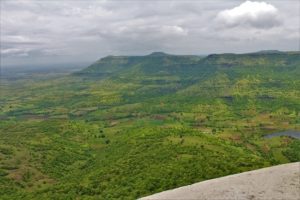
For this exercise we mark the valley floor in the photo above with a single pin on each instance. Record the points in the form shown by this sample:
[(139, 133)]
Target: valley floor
[(278, 182)]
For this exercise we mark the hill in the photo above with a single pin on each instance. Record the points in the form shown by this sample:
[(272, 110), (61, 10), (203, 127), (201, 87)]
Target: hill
[(156, 62)]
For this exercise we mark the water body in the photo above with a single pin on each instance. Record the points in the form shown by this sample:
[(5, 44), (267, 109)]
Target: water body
[(294, 134)]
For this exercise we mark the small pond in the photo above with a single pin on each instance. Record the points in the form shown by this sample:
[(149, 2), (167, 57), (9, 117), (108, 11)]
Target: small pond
[(294, 134)]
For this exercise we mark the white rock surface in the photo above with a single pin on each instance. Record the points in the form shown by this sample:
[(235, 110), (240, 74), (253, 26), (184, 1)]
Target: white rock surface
[(280, 182)]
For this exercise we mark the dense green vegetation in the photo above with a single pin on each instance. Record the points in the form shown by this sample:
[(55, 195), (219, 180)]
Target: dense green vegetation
[(127, 127)]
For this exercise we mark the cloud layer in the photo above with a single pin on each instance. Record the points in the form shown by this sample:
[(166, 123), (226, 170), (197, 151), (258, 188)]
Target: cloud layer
[(49, 31)]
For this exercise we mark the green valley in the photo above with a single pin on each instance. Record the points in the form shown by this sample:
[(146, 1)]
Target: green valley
[(130, 126)]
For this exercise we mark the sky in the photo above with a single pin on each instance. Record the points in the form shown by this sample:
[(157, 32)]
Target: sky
[(51, 32)]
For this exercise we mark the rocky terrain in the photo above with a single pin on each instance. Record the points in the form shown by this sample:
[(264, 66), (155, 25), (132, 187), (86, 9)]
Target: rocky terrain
[(279, 182)]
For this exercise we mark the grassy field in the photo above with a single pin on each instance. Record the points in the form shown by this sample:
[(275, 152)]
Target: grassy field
[(127, 127)]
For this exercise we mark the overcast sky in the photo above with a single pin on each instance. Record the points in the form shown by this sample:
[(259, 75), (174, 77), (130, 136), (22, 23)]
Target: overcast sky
[(37, 32)]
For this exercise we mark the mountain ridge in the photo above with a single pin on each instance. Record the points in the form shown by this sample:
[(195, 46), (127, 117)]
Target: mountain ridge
[(158, 61)]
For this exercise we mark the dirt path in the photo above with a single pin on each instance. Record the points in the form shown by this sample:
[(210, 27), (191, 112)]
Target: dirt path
[(281, 182)]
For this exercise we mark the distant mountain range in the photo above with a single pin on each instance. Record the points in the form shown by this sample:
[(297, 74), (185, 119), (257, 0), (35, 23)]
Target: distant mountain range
[(184, 65)]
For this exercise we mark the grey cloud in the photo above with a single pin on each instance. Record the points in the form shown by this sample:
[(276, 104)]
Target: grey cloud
[(87, 30), (14, 51)]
